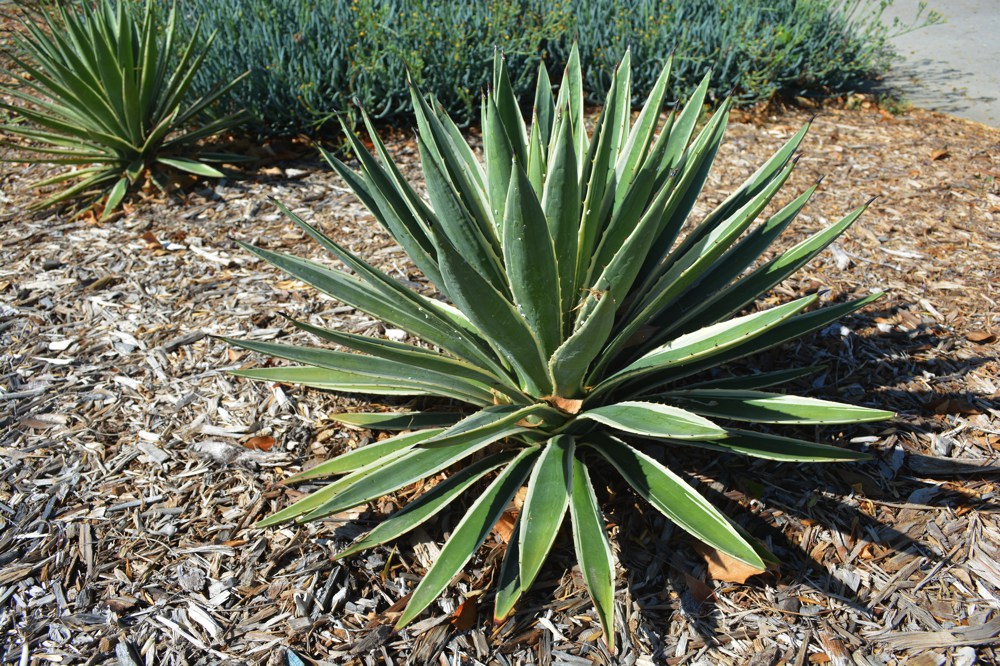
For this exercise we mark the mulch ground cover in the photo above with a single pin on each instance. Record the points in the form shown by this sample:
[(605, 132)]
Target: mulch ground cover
[(132, 466)]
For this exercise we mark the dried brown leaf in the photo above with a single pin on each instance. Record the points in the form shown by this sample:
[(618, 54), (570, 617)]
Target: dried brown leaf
[(261, 443), (728, 569), (981, 337)]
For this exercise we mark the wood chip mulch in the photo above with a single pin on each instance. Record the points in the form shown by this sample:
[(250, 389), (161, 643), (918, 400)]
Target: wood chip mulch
[(132, 466)]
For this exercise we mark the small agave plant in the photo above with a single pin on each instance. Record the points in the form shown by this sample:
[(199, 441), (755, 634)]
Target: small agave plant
[(582, 317), (103, 87)]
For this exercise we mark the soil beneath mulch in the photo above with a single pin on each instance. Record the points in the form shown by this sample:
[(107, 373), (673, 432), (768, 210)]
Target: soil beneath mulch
[(132, 466)]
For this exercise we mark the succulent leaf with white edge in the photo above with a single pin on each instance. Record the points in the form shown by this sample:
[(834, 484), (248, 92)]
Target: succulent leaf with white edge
[(579, 312)]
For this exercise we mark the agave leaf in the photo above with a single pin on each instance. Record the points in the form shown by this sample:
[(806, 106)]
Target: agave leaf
[(89, 187), (509, 114), (420, 210), (544, 107), (191, 166), (442, 331), (499, 158), (383, 298), (531, 262), (624, 223), (469, 534), (793, 327), (224, 158), (331, 380), (58, 125), (413, 465), (207, 129), (459, 227), (570, 362), (652, 419), (496, 318), (758, 180), (762, 407), (624, 265), (363, 456), (65, 145), (641, 136), (76, 174), (677, 500), (706, 342), (573, 86), (427, 505), (66, 95), (593, 550), (454, 186), (461, 146), (59, 117), (769, 177), (693, 166), (694, 307), (310, 502), (491, 420), (774, 447), (115, 197), (759, 380), (561, 202), (599, 175), (536, 158), (622, 109), (409, 354), (774, 272), (175, 86), (389, 200), (686, 265), (545, 505), (396, 420), (432, 382)]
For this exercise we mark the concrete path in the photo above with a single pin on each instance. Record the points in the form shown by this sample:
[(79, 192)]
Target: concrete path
[(953, 67)]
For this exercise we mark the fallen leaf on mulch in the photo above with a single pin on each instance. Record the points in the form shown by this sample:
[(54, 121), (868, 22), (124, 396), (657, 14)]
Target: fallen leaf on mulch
[(263, 443), (728, 569), (981, 337), (151, 240), (940, 154), (505, 526), (465, 615)]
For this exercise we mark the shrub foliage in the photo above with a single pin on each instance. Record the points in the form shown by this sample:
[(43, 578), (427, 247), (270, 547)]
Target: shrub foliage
[(310, 58)]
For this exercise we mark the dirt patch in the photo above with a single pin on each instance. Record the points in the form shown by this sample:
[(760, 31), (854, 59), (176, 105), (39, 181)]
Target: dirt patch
[(132, 467)]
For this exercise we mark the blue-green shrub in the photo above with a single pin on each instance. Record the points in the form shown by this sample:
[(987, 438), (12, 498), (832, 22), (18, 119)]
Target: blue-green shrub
[(310, 58)]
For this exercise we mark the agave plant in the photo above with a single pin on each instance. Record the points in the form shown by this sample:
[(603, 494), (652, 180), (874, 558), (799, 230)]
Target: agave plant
[(581, 317), (103, 90)]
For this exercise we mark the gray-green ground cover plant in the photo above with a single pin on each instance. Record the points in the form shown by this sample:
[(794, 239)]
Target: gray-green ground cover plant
[(338, 51), (102, 89), (582, 315)]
